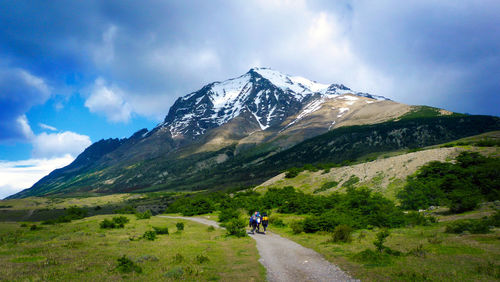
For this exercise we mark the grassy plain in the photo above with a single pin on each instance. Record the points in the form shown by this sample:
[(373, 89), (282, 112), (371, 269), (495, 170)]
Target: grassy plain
[(81, 250), (427, 253)]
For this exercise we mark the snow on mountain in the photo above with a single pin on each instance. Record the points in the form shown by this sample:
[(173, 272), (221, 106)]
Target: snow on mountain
[(265, 94)]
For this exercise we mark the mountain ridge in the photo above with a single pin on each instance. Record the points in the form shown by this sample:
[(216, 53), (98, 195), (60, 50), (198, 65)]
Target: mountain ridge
[(209, 131)]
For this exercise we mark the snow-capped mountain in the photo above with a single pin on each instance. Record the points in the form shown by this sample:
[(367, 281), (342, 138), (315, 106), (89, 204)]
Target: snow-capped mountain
[(265, 95), (237, 132)]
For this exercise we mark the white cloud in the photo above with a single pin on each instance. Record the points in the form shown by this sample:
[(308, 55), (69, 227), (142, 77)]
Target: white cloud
[(19, 91), (18, 175), (46, 126), (24, 127), (108, 100), (48, 145)]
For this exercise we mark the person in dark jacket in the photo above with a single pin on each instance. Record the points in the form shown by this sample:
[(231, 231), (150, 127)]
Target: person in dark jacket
[(254, 219)]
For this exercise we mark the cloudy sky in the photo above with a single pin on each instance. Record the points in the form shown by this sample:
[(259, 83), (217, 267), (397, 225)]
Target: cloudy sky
[(72, 73)]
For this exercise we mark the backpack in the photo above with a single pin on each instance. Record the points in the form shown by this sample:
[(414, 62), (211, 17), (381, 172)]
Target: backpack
[(265, 218)]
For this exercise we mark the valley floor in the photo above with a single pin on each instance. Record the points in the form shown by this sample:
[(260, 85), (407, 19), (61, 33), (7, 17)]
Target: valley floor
[(427, 253), (81, 251)]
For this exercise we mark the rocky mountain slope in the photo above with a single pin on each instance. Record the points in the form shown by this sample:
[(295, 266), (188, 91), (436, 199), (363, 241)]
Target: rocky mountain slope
[(240, 125)]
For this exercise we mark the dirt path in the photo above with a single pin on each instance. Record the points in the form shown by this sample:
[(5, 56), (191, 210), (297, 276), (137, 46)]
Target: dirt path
[(286, 260)]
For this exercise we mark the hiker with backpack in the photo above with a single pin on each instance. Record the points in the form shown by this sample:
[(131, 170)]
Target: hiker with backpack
[(254, 221), (264, 221)]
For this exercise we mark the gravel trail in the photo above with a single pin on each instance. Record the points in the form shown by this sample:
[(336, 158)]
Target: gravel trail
[(286, 260)]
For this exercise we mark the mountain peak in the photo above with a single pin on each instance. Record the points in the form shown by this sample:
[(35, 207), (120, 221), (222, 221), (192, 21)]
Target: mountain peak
[(265, 95)]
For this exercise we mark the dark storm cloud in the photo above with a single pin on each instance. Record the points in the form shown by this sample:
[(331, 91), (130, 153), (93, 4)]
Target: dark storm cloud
[(144, 54), (444, 53)]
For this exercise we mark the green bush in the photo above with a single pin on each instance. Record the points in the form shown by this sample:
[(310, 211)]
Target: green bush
[(210, 228), (149, 235), (176, 273), (464, 199), (202, 259), (495, 219), (297, 226), (276, 221), (161, 230), (236, 227), (414, 218), (381, 237), (75, 212), (342, 233), (461, 186), (475, 226), (228, 214), (116, 222), (126, 265), (293, 172), (373, 258), (126, 210), (326, 186), (120, 220), (143, 215), (34, 227), (180, 226), (106, 223), (72, 213), (351, 181)]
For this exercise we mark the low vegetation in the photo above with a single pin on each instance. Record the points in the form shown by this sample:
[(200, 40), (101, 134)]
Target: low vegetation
[(461, 186), (81, 250)]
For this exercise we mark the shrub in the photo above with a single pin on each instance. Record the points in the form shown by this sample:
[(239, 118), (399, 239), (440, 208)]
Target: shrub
[(195, 206), (461, 186), (475, 226), (326, 186), (143, 215), (202, 259), (180, 226), (126, 210), (495, 219), (414, 218), (418, 251), (381, 237), (373, 258), (276, 221), (25, 225), (35, 227), (293, 172), (161, 230), (297, 226), (178, 258), (75, 212), (342, 233), (236, 227), (126, 265), (116, 222), (120, 220), (106, 223), (464, 199), (176, 272), (149, 235), (228, 214), (351, 181), (210, 228)]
